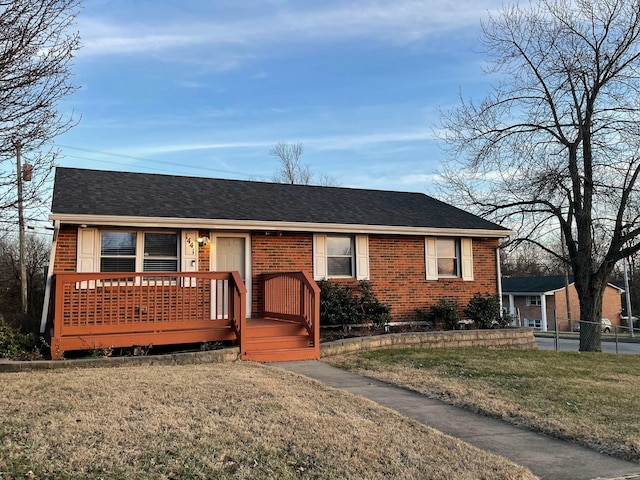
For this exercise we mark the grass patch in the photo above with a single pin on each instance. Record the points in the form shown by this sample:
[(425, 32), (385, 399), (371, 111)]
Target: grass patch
[(589, 398), (239, 420)]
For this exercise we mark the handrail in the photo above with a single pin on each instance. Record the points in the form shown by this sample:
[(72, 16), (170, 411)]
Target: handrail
[(292, 296), (125, 306), (239, 306)]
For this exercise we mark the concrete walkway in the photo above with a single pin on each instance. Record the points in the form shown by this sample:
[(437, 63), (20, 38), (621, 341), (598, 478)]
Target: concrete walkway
[(546, 457)]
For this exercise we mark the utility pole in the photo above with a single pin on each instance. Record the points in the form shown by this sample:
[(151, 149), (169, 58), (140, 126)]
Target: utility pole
[(23, 263)]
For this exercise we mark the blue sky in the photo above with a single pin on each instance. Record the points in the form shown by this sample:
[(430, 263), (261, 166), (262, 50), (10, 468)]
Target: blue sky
[(206, 88)]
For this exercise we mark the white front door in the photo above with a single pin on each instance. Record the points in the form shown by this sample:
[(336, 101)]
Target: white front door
[(230, 254)]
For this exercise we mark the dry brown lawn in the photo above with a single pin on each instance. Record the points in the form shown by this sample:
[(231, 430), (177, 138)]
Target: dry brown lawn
[(589, 398), (238, 420)]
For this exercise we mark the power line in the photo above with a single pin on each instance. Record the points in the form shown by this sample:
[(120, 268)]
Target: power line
[(143, 159), (154, 169)]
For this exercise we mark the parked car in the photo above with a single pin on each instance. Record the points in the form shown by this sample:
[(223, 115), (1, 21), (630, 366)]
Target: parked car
[(605, 326), (635, 321)]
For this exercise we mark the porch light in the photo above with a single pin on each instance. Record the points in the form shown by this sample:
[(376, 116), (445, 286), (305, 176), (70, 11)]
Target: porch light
[(204, 240)]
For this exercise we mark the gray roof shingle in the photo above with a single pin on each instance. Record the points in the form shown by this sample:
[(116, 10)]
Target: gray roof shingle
[(96, 192), (533, 285)]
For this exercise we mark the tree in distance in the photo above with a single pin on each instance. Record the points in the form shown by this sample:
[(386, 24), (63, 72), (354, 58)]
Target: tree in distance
[(293, 171), (556, 144)]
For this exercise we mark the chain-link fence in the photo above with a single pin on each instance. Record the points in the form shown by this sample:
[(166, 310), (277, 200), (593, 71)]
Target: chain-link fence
[(612, 335)]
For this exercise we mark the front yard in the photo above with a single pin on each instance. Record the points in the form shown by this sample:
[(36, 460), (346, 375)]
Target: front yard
[(239, 420), (589, 398)]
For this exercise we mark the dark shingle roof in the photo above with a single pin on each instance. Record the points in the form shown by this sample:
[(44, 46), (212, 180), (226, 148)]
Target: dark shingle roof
[(95, 192), (533, 285)]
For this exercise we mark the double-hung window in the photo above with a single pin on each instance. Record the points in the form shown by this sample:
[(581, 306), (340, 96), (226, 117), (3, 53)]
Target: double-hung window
[(138, 251), (448, 257), (118, 251), (160, 252), (534, 301), (340, 256)]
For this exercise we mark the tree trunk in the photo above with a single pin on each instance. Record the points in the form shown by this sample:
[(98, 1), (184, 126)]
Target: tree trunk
[(590, 315)]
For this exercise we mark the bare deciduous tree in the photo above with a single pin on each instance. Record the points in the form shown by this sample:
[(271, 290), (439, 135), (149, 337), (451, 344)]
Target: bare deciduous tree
[(37, 46), (292, 170), (37, 255), (556, 144)]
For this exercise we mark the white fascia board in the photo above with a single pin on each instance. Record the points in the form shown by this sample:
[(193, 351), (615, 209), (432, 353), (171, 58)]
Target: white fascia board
[(213, 224), (621, 290), (526, 294), (551, 292)]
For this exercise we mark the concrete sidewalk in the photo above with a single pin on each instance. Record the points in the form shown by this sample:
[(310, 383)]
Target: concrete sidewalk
[(546, 457)]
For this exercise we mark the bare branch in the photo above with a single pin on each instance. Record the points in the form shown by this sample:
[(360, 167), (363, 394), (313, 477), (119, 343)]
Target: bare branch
[(556, 144)]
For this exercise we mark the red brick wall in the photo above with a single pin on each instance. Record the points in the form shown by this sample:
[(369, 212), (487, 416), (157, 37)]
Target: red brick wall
[(397, 274), (65, 260), (396, 270), (288, 252), (396, 267), (611, 304)]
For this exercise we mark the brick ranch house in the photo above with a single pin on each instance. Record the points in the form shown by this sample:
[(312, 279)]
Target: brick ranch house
[(147, 259), (540, 300)]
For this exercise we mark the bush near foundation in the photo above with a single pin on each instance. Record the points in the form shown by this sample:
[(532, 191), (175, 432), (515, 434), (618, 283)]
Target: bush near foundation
[(340, 305), (484, 310), (443, 314)]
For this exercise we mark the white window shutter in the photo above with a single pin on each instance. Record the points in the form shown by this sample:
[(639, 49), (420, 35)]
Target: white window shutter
[(466, 248), (189, 255), (88, 257), (362, 257), (431, 258), (319, 257)]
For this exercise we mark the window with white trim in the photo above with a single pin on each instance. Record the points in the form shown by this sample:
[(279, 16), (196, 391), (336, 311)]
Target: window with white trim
[(127, 251), (448, 257), (341, 256), (534, 301), (533, 323)]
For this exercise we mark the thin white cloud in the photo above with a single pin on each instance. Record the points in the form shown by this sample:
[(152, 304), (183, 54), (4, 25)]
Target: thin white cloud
[(400, 21), (345, 142)]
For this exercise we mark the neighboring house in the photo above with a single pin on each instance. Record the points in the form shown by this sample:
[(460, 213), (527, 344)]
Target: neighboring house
[(142, 259), (540, 300)]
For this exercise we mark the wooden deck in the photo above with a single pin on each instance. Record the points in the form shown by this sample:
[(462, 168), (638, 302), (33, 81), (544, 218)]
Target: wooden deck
[(92, 311)]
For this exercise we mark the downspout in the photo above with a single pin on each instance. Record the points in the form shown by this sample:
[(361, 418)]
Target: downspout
[(499, 274), (47, 289)]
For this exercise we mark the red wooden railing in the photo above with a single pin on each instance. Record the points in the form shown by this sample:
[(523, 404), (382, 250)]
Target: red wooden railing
[(108, 310), (293, 296)]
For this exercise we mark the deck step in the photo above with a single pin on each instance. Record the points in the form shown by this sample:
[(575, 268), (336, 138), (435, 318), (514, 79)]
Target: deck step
[(279, 342), (277, 330), (281, 354), (272, 340)]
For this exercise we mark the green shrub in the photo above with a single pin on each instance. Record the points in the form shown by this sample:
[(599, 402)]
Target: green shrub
[(336, 304), (16, 345), (339, 305), (445, 312), (484, 310)]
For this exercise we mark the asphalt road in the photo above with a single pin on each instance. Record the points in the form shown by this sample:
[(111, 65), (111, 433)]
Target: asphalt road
[(571, 345)]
